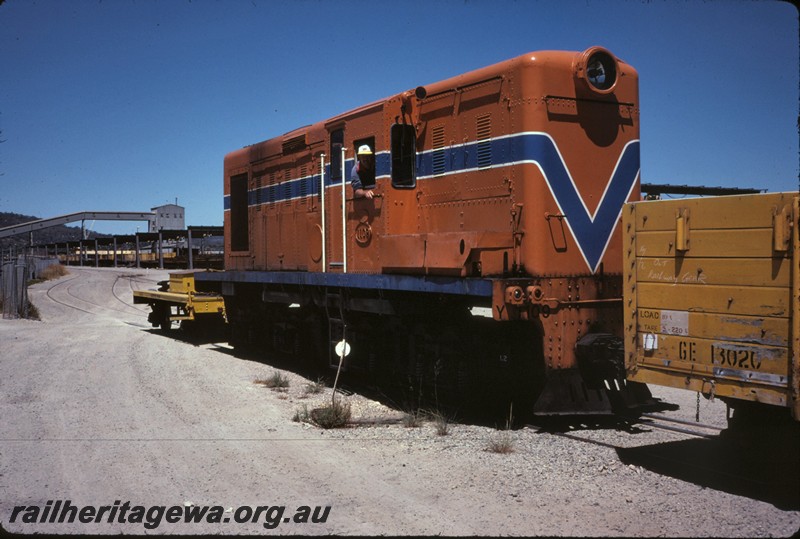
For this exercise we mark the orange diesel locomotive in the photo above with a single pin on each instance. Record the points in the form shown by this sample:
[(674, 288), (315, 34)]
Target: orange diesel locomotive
[(489, 258)]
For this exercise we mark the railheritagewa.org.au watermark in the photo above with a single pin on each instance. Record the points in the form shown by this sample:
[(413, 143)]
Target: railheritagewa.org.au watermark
[(151, 517)]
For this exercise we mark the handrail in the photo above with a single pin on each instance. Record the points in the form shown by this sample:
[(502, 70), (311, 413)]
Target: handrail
[(344, 213), (322, 190)]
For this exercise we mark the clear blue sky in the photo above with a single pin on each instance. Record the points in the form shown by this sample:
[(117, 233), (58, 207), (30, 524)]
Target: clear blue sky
[(127, 104)]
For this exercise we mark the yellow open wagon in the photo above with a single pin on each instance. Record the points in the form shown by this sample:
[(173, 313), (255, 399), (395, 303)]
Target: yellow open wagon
[(711, 295)]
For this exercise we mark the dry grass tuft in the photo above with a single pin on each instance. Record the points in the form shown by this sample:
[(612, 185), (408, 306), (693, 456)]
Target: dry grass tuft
[(502, 443), (442, 423), (33, 312), (277, 381), (334, 416), (414, 419), (314, 388), (53, 271)]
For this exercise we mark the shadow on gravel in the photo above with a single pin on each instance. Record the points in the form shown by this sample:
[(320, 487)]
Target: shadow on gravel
[(625, 420), (757, 461), (403, 398), (760, 464), (393, 395), (195, 335)]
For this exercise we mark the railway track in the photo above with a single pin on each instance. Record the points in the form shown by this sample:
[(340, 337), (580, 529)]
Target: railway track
[(125, 300), (692, 428), (58, 285), (69, 285)]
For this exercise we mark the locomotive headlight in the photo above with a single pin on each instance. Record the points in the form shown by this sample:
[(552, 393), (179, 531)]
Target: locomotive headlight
[(598, 69)]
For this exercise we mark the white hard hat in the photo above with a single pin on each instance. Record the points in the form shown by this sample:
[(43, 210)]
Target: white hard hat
[(364, 150)]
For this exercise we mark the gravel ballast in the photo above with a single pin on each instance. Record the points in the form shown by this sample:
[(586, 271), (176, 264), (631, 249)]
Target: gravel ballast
[(99, 408)]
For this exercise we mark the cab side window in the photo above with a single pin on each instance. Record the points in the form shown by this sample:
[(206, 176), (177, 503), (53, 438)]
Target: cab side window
[(404, 153), (240, 232), (368, 180)]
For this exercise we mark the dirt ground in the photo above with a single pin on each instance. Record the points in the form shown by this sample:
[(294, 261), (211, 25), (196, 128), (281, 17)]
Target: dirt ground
[(100, 409)]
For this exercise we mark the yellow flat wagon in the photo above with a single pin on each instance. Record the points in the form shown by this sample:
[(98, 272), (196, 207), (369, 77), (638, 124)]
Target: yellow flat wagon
[(711, 295), (179, 300)]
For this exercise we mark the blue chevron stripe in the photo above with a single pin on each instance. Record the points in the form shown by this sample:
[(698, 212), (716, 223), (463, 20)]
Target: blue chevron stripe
[(592, 232)]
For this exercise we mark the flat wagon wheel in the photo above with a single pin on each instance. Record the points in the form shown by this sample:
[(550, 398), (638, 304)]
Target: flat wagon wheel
[(165, 323), (160, 316)]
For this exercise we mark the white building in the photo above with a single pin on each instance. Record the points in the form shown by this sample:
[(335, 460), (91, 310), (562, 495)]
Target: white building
[(167, 217)]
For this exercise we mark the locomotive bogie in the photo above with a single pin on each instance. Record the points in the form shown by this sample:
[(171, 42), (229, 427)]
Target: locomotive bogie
[(428, 348)]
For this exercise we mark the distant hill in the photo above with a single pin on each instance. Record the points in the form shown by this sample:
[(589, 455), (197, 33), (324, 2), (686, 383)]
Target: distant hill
[(60, 233)]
